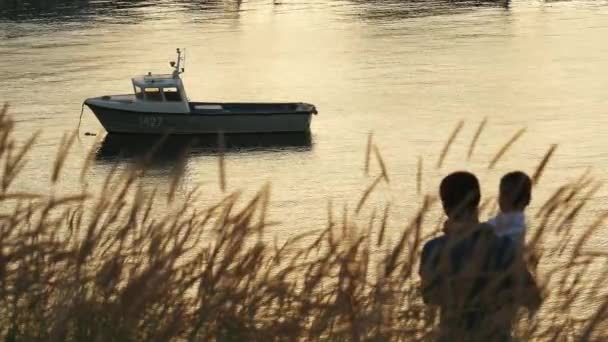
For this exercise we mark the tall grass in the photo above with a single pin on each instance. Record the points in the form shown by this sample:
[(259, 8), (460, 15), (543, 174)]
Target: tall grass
[(105, 266)]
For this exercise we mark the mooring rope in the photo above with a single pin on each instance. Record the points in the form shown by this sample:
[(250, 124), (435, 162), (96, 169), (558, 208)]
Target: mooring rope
[(80, 119)]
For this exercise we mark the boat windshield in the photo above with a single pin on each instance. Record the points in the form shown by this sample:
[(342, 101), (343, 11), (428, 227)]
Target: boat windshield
[(172, 94), (138, 93), (152, 94), (169, 94)]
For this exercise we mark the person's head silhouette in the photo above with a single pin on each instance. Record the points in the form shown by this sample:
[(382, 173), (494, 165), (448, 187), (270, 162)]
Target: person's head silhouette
[(515, 192), (460, 195)]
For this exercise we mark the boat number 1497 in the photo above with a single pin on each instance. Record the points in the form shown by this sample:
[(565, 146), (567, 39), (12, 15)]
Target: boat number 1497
[(150, 121)]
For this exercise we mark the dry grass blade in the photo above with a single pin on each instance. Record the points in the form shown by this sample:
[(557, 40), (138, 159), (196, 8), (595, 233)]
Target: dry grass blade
[(413, 226), (4, 110), (19, 196), (381, 163), (553, 200), (487, 205), (506, 147), (541, 167), (482, 125), (330, 213), (368, 152), (446, 147), (383, 224), (152, 151), (370, 225), (221, 145), (415, 244), (89, 158), (14, 164), (580, 243), (367, 192), (178, 172), (263, 208), (345, 221), (62, 154), (598, 317), (419, 176)]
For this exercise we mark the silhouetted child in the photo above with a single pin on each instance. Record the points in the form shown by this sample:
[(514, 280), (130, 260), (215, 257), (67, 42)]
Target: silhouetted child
[(477, 279), (515, 194)]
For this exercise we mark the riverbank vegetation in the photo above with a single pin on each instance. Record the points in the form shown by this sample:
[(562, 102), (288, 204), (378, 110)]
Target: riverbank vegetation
[(103, 266)]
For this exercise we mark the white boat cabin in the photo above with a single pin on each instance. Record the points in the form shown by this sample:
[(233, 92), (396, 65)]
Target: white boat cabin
[(165, 93), (160, 93)]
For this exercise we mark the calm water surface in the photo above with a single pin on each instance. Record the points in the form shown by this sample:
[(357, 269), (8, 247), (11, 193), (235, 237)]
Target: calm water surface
[(406, 71)]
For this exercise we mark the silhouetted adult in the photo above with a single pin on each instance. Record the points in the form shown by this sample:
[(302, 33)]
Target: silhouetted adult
[(477, 279)]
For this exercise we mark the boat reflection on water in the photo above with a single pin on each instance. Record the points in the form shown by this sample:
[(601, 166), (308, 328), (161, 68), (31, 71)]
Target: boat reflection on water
[(158, 148)]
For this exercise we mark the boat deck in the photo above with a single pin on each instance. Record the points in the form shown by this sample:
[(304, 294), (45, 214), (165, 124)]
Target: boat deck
[(249, 108)]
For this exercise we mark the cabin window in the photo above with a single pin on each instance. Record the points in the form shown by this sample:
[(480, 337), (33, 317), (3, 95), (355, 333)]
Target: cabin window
[(138, 93), (172, 94), (153, 94)]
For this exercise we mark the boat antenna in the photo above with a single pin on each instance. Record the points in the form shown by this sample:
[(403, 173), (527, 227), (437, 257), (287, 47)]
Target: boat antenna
[(177, 67)]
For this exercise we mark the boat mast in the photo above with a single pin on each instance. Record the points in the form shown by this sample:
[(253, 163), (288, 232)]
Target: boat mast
[(177, 69)]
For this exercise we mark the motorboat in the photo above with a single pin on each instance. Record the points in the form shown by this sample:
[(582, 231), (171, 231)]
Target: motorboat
[(159, 105)]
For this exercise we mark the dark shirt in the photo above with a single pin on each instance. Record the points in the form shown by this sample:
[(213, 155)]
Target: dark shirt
[(474, 278)]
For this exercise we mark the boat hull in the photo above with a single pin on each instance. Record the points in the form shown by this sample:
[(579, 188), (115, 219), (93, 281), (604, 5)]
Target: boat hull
[(123, 121)]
